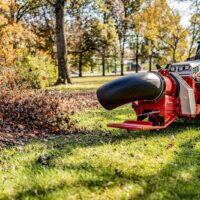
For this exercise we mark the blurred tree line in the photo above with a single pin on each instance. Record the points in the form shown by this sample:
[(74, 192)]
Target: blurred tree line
[(43, 41)]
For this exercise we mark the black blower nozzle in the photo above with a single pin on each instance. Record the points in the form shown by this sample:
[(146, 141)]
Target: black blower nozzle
[(142, 86)]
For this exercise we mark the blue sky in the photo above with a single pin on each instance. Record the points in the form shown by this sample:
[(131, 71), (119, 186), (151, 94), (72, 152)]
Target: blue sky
[(184, 9)]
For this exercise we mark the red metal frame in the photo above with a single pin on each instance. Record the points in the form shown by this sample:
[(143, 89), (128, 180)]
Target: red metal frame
[(141, 125)]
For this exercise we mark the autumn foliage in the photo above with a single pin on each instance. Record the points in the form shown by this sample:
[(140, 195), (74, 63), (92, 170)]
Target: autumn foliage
[(98, 36)]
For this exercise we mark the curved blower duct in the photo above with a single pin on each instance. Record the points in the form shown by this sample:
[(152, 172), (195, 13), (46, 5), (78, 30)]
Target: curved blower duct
[(147, 86)]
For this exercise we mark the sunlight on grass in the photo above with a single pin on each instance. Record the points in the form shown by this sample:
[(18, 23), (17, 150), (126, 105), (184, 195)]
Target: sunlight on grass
[(105, 165), (84, 84), (98, 119)]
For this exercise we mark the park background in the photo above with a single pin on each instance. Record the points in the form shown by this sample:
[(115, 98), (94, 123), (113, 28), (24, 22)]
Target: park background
[(54, 139)]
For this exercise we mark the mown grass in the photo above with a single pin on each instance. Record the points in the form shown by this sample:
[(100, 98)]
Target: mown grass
[(84, 84), (104, 163)]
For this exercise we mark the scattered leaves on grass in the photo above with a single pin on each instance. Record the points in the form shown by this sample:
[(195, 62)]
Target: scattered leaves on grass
[(169, 146), (33, 114)]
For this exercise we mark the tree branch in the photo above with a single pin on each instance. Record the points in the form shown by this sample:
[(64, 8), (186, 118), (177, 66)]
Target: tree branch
[(51, 3)]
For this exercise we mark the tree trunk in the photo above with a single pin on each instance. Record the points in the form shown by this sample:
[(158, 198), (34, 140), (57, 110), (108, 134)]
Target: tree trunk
[(92, 69), (175, 49), (150, 55), (108, 65), (174, 55), (122, 64), (80, 65), (115, 60), (191, 46), (137, 55), (122, 57), (150, 63), (63, 70), (115, 65), (194, 35), (103, 66)]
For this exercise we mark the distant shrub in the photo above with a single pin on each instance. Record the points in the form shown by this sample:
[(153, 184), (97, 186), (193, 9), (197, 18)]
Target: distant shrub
[(29, 72), (36, 72)]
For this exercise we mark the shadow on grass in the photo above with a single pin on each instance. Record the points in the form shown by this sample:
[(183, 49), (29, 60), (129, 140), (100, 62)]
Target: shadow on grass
[(168, 183)]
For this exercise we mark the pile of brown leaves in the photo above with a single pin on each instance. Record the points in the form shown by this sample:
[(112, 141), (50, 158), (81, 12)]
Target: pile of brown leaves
[(49, 112)]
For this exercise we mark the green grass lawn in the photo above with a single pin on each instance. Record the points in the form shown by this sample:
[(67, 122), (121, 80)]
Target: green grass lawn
[(84, 84), (105, 163)]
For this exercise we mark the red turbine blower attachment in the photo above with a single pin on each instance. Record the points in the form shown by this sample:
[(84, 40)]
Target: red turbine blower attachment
[(161, 97)]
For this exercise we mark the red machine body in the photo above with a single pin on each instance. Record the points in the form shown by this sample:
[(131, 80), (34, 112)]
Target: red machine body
[(163, 112), (158, 98)]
